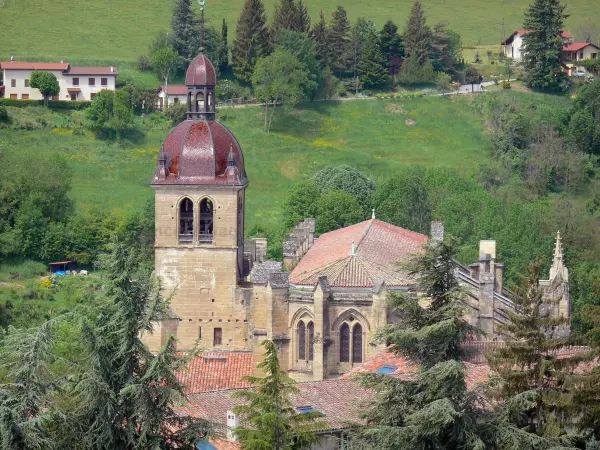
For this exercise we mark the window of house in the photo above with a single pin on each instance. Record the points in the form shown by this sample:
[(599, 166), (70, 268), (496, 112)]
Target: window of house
[(92, 82), (301, 341), (357, 344), (13, 83), (580, 55), (217, 336), (199, 332), (75, 81), (345, 343), (176, 100), (25, 96), (206, 222), (310, 328), (92, 95), (13, 96), (186, 221), (104, 81), (26, 82), (594, 55)]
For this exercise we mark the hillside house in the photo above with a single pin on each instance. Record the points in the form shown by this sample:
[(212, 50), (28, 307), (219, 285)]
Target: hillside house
[(177, 94), (76, 83), (512, 44)]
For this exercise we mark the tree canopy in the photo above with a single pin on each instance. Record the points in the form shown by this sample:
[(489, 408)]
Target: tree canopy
[(46, 82)]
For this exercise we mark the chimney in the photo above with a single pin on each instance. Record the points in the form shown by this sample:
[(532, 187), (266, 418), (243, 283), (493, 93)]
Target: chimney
[(112, 69), (353, 249), (437, 231), (233, 422)]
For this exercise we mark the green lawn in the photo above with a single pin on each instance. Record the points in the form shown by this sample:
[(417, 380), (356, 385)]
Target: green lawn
[(121, 30), (368, 134)]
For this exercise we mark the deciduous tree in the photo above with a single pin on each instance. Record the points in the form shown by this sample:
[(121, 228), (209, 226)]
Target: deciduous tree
[(164, 62), (46, 82)]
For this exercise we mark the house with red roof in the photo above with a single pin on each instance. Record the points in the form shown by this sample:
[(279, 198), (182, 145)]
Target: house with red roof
[(513, 43), (75, 82), (177, 93)]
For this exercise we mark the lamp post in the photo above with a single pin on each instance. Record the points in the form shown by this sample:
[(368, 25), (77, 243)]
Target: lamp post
[(202, 3)]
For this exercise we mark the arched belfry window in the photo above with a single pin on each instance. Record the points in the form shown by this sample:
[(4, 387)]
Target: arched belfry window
[(205, 231), (357, 343), (199, 102), (301, 341), (310, 330), (186, 221), (345, 343)]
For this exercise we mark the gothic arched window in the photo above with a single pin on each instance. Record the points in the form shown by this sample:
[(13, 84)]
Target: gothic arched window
[(200, 102), (301, 341), (310, 328), (357, 343), (186, 221), (345, 343), (205, 231)]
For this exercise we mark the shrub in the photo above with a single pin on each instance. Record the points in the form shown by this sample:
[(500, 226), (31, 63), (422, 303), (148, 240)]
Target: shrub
[(176, 113), (53, 104), (505, 84), (143, 63), (3, 114)]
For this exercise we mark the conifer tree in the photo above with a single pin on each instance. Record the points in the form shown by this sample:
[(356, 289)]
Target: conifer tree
[(372, 65), (535, 384), (338, 40), (361, 33), (185, 25), (284, 18), (224, 51), (302, 21), (320, 36), (417, 34), (268, 417), (542, 45), (251, 40), (392, 48)]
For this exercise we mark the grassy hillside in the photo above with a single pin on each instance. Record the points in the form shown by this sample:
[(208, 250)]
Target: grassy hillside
[(122, 29), (370, 135)]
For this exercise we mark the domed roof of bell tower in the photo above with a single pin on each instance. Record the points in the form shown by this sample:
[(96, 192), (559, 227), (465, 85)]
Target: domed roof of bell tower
[(200, 72)]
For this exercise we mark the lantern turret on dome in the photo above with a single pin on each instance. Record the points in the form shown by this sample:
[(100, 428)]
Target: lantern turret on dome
[(200, 80)]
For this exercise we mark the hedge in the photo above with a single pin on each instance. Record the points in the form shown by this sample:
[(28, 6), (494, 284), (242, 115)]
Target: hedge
[(53, 104)]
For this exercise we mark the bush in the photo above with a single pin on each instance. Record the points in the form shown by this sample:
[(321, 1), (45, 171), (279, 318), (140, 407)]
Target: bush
[(53, 104), (3, 114), (505, 84), (143, 63), (176, 113)]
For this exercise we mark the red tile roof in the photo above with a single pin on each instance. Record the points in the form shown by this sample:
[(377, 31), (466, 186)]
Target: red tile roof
[(338, 400), (378, 247), (575, 46), (175, 89), (14, 65), (522, 32), (224, 444), (217, 370), (93, 71)]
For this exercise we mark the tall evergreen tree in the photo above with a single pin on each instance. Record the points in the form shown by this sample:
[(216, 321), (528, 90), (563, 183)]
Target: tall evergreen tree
[(361, 33), (224, 53), (338, 40), (268, 417), (542, 45), (251, 40), (535, 384), (185, 25), (392, 48), (320, 35), (302, 21), (417, 34), (372, 65), (445, 47), (284, 18)]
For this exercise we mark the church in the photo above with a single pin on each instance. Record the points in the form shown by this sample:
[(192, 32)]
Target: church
[(323, 304)]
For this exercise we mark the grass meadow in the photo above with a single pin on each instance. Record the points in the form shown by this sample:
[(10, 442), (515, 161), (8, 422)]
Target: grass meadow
[(371, 135), (121, 30)]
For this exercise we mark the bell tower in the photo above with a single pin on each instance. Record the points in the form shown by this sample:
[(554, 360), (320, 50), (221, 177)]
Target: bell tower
[(199, 187)]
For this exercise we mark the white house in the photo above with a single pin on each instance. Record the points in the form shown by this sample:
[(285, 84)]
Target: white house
[(76, 83), (513, 43), (177, 94)]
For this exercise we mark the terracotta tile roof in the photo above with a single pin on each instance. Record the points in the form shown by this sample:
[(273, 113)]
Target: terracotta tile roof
[(404, 368), (217, 370), (175, 89), (339, 400), (14, 65), (378, 247), (575, 46), (224, 444), (522, 32), (93, 71)]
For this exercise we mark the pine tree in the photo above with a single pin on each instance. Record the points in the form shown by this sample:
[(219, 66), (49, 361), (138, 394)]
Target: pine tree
[(372, 65), (535, 385), (251, 40), (320, 36), (284, 18), (542, 45), (224, 53), (185, 25), (445, 47), (338, 40), (302, 21), (417, 34), (392, 47), (361, 33), (268, 417)]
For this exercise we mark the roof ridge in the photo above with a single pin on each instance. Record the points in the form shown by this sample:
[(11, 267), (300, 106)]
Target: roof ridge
[(371, 221)]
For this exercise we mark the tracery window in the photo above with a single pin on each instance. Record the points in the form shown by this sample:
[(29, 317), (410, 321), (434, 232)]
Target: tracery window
[(186, 221), (345, 343), (205, 231), (357, 343), (301, 341), (311, 340)]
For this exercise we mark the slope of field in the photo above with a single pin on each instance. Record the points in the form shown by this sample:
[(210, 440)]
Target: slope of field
[(122, 29), (371, 135)]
